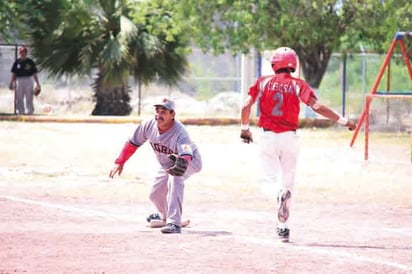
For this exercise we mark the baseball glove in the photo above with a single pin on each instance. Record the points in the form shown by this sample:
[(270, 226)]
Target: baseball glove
[(179, 165), (246, 136), (36, 91)]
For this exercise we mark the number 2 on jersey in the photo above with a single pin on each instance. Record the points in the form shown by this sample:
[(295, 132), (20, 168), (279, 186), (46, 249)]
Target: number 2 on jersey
[(277, 109)]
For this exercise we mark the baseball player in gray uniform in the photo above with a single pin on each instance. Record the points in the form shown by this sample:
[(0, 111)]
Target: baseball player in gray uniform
[(178, 157)]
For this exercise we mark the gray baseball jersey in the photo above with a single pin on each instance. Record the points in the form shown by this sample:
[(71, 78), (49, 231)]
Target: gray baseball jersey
[(175, 140), (167, 191)]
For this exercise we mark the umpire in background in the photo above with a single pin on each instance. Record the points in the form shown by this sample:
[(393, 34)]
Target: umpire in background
[(23, 70)]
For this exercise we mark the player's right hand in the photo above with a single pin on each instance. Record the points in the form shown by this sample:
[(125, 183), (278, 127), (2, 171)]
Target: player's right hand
[(117, 169), (246, 136)]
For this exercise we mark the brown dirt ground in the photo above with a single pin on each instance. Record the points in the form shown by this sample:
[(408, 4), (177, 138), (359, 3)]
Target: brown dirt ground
[(60, 213)]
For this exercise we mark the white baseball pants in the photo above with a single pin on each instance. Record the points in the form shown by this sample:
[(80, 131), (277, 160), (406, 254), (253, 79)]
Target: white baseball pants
[(278, 156)]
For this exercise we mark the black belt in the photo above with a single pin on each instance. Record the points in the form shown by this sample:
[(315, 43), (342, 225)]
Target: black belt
[(266, 129)]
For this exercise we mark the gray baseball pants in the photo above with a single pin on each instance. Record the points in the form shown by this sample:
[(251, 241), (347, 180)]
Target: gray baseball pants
[(24, 95), (167, 191)]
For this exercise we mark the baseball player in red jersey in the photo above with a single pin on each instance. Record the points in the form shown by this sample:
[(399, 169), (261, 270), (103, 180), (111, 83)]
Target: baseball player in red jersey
[(178, 158), (279, 97)]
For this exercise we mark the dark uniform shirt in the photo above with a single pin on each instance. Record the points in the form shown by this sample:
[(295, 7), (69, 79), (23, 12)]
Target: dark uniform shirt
[(24, 68)]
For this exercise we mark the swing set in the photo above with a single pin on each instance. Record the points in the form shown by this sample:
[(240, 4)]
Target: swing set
[(406, 54)]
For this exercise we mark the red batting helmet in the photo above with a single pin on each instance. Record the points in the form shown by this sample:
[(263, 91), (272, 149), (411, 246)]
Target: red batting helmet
[(284, 58)]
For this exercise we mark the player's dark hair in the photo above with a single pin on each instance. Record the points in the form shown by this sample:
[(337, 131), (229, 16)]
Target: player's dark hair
[(23, 48), (284, 70)]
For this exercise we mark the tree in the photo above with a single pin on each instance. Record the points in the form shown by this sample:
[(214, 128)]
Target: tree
[(75, 37), (10, 20), (314, 29), (163, 45), (384, 18)]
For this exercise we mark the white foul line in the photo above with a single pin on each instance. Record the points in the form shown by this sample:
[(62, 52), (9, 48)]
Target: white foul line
[(322, 251), (263, 241), (82, 211), (354, 257)]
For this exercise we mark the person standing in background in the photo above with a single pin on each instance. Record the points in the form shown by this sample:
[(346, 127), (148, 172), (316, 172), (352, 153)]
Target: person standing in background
[(24, 71)]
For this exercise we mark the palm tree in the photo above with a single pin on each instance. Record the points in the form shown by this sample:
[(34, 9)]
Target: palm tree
[(158, 58), (77, 37)]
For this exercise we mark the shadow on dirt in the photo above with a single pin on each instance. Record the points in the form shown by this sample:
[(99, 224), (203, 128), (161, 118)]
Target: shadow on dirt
[(208, 233), (331, 245)]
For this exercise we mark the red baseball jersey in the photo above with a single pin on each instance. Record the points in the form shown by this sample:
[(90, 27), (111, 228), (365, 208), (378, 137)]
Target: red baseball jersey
[(279, 101)]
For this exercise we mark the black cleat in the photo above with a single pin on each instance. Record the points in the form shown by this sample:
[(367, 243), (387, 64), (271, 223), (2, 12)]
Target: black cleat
[(283, 234), (170, 228), (153, 216)]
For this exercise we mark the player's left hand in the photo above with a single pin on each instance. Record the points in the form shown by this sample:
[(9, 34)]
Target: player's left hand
[(37, 90), (246, 136), (351, 125), (179, 165)]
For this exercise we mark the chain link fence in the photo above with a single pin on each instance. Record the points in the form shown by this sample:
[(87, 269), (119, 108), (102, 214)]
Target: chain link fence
[(212, 86)]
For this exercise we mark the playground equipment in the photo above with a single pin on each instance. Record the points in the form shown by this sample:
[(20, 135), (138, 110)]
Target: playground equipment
[(399, 38)]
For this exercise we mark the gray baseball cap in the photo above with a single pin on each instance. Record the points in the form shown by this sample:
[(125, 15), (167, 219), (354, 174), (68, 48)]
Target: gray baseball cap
[(166, 103)]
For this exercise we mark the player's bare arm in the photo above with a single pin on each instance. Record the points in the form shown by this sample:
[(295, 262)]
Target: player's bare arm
[(36, 79), (245, 133), (12, 84), (245, 114), (330, 114)]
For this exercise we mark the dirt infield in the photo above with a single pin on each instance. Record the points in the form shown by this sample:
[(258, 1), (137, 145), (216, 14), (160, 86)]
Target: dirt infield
[(60, 213)]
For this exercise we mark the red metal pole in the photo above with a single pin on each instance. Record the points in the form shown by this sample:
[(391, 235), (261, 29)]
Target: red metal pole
[(374, 88), (367, 121), (406, 58)]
